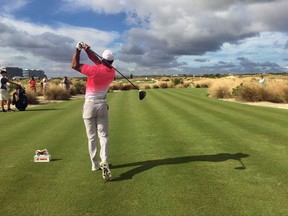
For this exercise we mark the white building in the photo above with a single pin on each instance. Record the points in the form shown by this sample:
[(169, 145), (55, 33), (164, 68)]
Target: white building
[(37, 73)]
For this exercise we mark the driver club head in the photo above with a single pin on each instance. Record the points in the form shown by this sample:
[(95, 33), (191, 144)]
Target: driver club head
[(142, 94)]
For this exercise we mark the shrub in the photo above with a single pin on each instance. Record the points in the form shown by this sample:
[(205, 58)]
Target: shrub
[(236, 90), (165, 79), (171, 85), (31, 97), (248, 93), (155, 86), (128, 87), (177, 81), (285, 94), (253, 92), (280, 92), (184, 85), (265, 94), (188, 85), (206, 83), (73, 91), (55, 81), (56, 93), (79, 87), (221, 92), (222, 88), (116, 86), (163, 85), (147, 87)]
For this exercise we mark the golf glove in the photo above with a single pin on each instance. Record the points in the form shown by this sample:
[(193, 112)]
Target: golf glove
[(79, 45)]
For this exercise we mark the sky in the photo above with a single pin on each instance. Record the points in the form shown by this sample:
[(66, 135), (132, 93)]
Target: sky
[(148, 37)]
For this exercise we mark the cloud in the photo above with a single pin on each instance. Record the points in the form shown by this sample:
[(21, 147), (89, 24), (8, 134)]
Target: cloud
[(201, 60), (242, 65), (158, 34), (183, 27), (8, 6), (270, 15), (248, 66), (45, 43), (286, 45)]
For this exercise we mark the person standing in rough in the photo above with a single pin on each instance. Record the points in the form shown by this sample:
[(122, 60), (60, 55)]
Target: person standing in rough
[(4, 91), (66, 83), (32, 84), (45, 83)]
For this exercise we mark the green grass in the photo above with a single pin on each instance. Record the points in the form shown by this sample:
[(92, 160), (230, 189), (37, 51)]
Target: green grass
[(177, 152)]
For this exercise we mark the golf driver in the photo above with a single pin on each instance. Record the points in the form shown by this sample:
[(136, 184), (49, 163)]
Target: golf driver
[(141, 93)]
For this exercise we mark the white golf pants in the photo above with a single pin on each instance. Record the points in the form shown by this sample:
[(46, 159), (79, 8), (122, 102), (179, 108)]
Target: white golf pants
[(95, 116)]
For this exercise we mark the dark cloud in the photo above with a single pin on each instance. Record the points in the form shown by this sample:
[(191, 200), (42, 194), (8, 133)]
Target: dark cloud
[(160, 34), (286, 45), (248, 66), (47, 45), (241, 66), (201, 60), (191, 32)]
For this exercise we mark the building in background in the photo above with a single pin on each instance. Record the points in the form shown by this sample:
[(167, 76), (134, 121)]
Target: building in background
[(13, 72), (36, 73), (19, 73)]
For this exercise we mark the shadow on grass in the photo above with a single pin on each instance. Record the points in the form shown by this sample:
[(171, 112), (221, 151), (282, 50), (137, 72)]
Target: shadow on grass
[(56, 159), (44, 109), (146, 165)]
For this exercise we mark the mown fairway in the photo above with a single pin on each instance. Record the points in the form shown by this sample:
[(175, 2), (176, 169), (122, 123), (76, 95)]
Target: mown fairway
[(177, 152)]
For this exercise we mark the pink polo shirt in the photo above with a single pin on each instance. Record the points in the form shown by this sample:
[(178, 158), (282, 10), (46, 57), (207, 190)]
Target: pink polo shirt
[(99, 77)]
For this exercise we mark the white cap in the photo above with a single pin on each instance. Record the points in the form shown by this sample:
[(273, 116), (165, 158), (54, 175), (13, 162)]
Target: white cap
[(108, 55)]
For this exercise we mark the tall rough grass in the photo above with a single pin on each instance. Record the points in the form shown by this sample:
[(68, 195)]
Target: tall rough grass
[(31, 96), (285, 93), (253, 92), (121, 87), (177, 81), (79, 87), (249, 90), (204, 83), (163, 85), (55, 92), (223, 88), (250, 93)]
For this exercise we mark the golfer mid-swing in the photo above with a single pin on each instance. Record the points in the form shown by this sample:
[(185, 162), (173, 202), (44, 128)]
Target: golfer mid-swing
[(95, 109)]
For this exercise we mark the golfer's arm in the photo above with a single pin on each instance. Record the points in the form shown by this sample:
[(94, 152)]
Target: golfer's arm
[(93, 57), (76, 61)]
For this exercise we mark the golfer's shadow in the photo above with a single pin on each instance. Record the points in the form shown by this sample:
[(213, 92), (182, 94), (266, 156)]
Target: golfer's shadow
[(146, 165)]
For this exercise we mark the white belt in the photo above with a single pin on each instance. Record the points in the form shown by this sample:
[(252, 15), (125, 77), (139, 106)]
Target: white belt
[(96, 100)]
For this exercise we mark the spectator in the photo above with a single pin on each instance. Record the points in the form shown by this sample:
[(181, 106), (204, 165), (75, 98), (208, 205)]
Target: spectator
[(4, 91), (32, 84), (45, 82), (66, 83), (261, 80)]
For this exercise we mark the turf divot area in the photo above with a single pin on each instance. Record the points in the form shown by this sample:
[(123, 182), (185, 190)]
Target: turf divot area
[(177, 152)]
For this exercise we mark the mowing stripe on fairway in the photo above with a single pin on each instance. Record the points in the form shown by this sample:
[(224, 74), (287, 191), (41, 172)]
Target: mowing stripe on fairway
[(51, 127), (210, 120), (173, 153), (206, 125)]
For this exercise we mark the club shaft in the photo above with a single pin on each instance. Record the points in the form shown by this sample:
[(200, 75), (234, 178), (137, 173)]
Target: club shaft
[(107, 63), (243, 165)]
